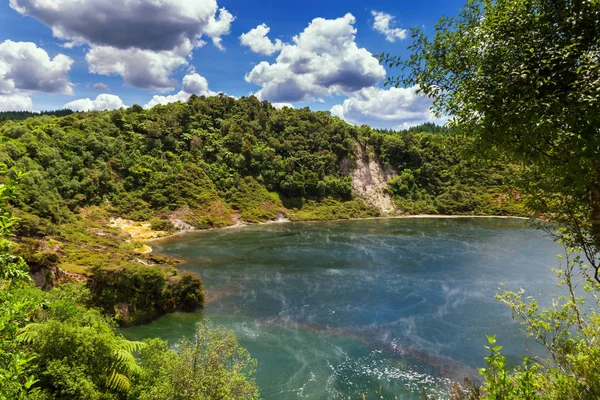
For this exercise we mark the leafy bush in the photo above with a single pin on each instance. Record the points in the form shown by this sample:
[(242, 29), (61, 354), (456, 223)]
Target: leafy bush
[(138, 293), (211, 366), (158, 224)]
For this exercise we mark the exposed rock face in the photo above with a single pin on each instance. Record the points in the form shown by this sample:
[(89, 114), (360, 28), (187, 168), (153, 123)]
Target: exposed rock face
[(180, 224), (48, 277), (369, 180)]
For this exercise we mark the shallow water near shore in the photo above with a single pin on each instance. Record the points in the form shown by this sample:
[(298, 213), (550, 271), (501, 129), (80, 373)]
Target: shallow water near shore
[(333, 310)]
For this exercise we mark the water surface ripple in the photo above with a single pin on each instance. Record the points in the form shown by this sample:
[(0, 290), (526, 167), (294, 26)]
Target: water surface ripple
[(333, 310)]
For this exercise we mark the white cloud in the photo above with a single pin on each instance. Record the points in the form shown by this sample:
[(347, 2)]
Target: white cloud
[(24, 66), (282, 105), (192, 84), (394, 108), (258, 41), (144, 41), (15, 102), (322, 60), (384, 23), (101, 103), (218, 27), (196, 84), (144, 69), (144, 24)]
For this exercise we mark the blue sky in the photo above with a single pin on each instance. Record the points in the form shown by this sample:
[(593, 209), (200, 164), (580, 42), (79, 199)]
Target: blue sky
[(104, 54)]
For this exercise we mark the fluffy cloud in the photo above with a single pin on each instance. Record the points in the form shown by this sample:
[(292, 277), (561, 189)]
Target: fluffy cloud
[(258, 41), (101, 87), (395, 108), (24, 66), (15, 102), (279, 106), (144, 69), (144, 24), (384, 23), (101, 103), (192, 84), (144, 41), (322, 60), (218, 27)]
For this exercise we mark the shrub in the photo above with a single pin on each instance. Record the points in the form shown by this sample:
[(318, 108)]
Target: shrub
[(139, 293), (162, 225)]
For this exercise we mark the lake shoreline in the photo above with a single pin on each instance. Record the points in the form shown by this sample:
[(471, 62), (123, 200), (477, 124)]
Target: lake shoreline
[(286, 220)]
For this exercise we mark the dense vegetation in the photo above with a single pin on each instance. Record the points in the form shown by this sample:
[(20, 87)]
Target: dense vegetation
[(438, 174), (210, 161), (21, 115), (198, 159), (53, 346)]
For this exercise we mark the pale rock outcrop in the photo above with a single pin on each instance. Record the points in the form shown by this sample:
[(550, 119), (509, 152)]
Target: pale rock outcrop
[(369, 180)]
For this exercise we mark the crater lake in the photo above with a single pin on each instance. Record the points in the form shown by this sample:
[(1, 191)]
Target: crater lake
[(332, 310)]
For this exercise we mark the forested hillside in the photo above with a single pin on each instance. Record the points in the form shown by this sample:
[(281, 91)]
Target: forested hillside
[(21, 115), (213, 162)]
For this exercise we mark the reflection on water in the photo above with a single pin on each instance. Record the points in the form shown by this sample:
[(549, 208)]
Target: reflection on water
[(332, 310)]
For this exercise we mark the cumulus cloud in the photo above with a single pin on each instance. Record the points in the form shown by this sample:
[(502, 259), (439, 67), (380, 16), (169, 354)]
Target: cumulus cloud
[(258, 41), (282, 105), (15, 102), (101, 103), (321, 61), (101, 87), (394, 108), (144, 24), (150, 70), (144, 41), (192, 84), (218, 27), (384, 23), (24, 66)]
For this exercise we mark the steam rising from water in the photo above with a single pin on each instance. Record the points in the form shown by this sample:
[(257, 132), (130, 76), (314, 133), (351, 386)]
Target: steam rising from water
[(332, 310)]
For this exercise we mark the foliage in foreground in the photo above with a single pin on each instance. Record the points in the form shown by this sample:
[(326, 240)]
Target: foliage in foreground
[(569, 334), (52, 346), (211, 366), (55, 348)]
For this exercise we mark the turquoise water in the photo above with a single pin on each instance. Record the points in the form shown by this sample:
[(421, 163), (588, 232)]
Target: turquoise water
[(334, 310)]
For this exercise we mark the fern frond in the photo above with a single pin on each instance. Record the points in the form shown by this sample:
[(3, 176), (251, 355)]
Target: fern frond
[(125, 361), (118, 381), (131, 345), (29, 333)]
